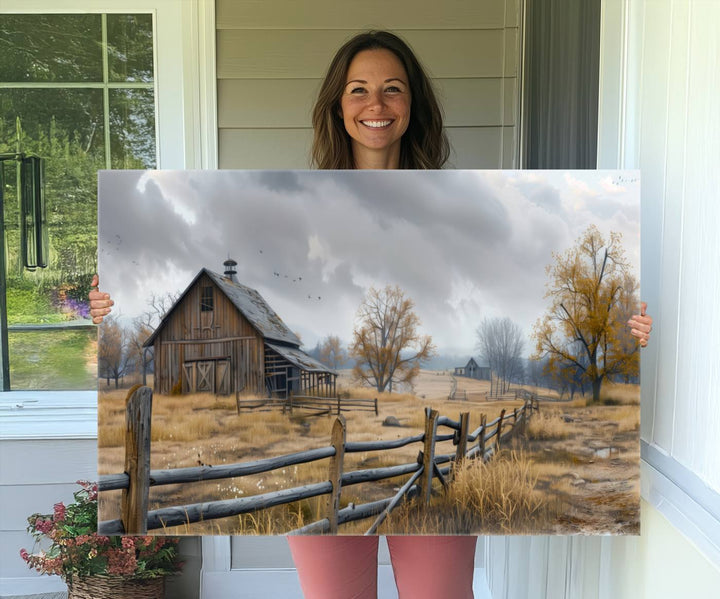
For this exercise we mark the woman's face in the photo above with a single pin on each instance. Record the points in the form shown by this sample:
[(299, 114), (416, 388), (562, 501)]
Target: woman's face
[(375, 103)]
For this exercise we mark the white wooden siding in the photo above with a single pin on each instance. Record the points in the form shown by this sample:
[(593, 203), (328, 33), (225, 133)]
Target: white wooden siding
[(271, 60), (674, 83)]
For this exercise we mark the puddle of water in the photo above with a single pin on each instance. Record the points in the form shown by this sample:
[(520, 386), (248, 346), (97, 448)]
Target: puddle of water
[(604, 452)]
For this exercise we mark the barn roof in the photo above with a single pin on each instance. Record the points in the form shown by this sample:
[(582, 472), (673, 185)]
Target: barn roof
[(255, 309), (249, 302), (299, 358), (476, 364)]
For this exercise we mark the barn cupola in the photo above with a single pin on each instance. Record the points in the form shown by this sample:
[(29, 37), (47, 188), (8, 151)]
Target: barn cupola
[(230, 271)]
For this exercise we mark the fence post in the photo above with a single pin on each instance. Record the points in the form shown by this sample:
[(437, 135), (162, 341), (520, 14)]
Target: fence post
[(376, 408), (338, 405), (336, 470), (462, 439), (499, 430), (481, 436), (431, 417), (138, 413)]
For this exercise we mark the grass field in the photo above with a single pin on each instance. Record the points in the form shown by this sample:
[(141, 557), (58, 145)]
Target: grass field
[(530, 488), (53, 359)]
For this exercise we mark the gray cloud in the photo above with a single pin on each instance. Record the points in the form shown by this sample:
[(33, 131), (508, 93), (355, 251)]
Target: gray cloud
[(462, 244)]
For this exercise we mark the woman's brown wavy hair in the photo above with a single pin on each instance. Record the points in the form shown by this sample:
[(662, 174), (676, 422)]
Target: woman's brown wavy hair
[(424, 145)]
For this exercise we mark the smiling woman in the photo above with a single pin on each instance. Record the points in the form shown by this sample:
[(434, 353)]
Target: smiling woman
[(375, 108), (363, 117)]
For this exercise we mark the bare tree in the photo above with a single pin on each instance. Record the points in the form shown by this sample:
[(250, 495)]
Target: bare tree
[(500, 341), (332, 353), (386, 344), (113, 356), (143, 326)]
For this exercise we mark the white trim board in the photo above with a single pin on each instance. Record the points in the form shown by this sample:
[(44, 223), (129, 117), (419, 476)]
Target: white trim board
[(48, 415), (681, 496)]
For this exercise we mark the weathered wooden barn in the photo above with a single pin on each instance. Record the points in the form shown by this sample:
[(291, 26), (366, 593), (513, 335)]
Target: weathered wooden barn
[(222, 337), (473, 370)]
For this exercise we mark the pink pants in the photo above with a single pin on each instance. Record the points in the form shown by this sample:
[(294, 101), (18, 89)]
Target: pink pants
[(346, 567)]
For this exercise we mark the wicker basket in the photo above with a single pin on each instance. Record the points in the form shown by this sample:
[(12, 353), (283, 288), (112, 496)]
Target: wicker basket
[(116, 587)]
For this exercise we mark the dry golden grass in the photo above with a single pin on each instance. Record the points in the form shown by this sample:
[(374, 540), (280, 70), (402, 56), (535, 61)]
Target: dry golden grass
[(627, 418), (204, 429), (494, 497), (620, 393), (548, 424)]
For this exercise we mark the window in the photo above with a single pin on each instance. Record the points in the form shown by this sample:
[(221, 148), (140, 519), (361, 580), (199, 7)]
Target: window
[(78, 91), (206, 301)]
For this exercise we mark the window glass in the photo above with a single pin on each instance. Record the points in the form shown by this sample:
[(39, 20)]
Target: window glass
[(37, 48), (132, 128), (130, 47), (57, 101), (206, 302)]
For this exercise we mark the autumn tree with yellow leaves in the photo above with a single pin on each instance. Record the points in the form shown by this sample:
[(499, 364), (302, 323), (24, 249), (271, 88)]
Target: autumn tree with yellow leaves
[(331, 352), (386, 344), (584, 332)]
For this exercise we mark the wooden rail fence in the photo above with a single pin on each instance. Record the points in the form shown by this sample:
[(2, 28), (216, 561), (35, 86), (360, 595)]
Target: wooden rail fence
[(135, 482), (319, 405), (512, 395)]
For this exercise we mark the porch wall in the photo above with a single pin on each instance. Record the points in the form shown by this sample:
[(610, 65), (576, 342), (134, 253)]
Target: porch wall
[(271, 58)]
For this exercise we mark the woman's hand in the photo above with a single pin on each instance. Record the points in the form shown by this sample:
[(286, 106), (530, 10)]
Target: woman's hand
[(100, 303), (641, 325)]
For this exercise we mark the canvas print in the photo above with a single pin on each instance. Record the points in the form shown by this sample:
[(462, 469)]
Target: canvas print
[(348, 352)]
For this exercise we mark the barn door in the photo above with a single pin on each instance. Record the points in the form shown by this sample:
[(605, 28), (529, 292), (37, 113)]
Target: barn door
[(222, 377), (189, 377), (206, 376)]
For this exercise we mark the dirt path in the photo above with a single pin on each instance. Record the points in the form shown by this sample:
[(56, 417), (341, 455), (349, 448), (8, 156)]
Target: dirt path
[(593, 473)]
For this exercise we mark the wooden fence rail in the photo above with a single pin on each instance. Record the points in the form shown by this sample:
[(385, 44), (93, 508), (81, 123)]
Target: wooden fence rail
[(137, 479), (321, 405)]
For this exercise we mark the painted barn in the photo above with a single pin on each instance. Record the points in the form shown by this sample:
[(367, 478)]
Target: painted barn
[(222, 337), (473, 370)]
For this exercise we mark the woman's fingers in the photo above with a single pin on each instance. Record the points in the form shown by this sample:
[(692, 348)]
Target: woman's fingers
[(641, 326), (100, 303)]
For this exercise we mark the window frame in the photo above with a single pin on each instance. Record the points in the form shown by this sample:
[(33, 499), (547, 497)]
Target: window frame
[(185, 105)]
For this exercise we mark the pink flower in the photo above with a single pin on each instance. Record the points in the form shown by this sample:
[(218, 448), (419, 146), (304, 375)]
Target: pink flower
[(121, 562), (24, 555), (128, 543), (43, 526), (59, 512)]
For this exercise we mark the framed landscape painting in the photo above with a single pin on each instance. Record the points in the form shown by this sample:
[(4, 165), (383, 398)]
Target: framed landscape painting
[(349, 352)]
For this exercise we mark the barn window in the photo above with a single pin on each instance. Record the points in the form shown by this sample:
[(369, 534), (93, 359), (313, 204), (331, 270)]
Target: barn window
[(206, 300)]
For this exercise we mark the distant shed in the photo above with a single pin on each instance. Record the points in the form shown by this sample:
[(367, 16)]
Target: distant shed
[(222, 337), (473, 370)]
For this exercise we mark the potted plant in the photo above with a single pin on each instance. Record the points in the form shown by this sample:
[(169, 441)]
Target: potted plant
[(93, 565)]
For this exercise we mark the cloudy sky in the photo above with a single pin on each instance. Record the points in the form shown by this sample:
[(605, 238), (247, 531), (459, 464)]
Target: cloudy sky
[(464, 245)]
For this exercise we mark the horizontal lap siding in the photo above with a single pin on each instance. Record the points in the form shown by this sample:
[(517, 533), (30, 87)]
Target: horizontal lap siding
[(271, 60), (36, 474)]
